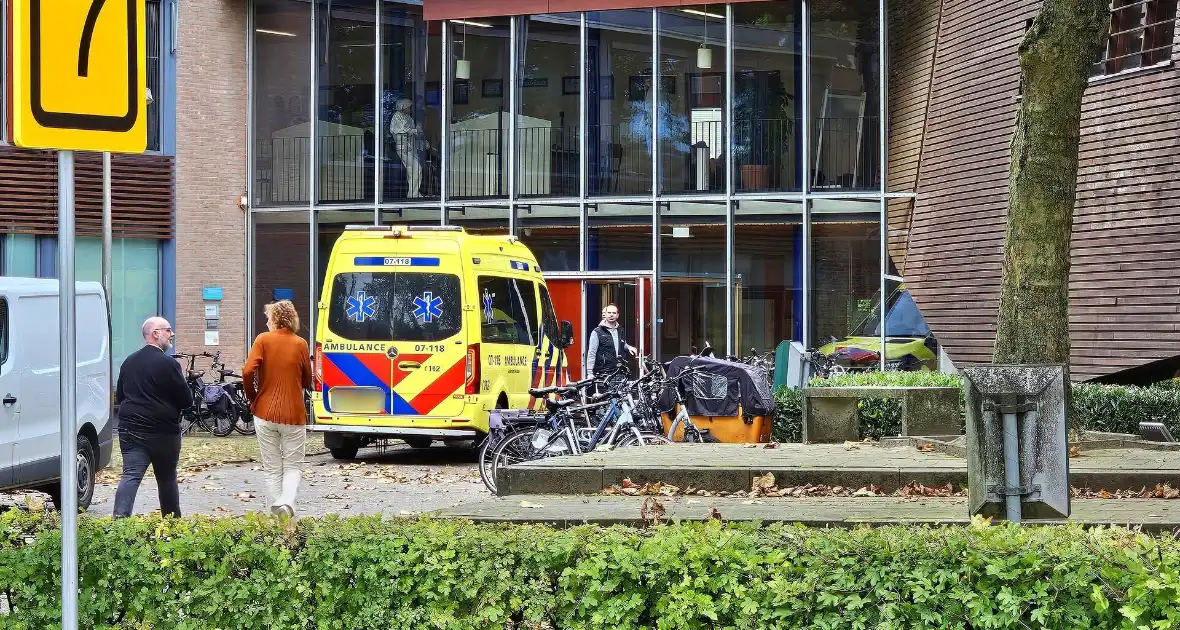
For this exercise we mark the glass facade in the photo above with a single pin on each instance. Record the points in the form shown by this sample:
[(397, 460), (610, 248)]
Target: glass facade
[(737, 201)]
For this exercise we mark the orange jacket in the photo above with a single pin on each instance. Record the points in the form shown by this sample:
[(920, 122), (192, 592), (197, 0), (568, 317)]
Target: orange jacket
[(275, 375)]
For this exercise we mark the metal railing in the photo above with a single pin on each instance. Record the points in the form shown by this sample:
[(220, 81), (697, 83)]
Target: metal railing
[(693, 160)]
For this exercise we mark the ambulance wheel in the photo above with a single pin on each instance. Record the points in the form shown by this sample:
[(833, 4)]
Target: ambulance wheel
[(344, 452), (418, 442), (342, 447)]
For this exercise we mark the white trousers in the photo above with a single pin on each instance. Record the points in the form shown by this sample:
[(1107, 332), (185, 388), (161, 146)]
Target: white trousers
[(282, 448)]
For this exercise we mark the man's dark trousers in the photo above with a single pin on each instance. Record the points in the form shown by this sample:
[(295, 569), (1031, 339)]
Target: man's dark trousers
[(162, 451)]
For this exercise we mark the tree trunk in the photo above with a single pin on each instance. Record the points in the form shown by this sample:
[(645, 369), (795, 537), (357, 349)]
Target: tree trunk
[(1055, 58)]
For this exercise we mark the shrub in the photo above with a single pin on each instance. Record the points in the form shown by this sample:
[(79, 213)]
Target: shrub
[(364, 573), (878, 417), (1120, 409), (1111, 408)]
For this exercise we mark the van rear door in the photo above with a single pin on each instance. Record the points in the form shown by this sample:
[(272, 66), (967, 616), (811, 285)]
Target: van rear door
[(397, 326)]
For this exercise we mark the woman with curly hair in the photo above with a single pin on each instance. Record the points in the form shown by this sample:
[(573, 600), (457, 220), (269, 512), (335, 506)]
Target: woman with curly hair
[(276, 373)]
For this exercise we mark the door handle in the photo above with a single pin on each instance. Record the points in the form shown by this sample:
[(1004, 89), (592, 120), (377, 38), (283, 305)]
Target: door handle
[(9, 400), (408, 365)]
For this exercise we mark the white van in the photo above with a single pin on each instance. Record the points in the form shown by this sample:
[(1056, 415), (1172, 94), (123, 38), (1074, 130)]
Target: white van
[(30, 436)]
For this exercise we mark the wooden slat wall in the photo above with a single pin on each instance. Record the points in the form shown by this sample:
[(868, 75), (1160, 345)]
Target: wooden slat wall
[(1124, 288), (913, 33), (142, 193)]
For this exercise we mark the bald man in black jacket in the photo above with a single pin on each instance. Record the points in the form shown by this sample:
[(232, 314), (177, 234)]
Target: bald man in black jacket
[(151, 394)]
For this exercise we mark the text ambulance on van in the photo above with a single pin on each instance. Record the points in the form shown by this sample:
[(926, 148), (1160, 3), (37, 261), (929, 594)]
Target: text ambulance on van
[(421, 330)]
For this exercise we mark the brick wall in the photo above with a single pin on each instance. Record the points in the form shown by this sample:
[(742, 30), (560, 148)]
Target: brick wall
[(281, 261), (211, 171)]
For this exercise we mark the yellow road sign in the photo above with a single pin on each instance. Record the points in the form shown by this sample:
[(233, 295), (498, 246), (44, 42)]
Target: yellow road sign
[(79, 75)]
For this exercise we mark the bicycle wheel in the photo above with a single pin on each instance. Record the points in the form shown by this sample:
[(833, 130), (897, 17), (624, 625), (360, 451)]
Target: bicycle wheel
[(645, 438), (245, 418), (518, 448), (223, 423), (486, 452)]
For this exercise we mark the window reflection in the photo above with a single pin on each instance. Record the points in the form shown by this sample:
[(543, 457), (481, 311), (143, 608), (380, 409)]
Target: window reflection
[(618, 77), (692, 99), (547, 127), (479, 108), (347, 123), (845, 88), (411, 63)]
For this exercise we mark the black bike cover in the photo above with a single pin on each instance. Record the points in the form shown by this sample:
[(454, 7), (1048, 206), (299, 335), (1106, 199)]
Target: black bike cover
[(720, 386)]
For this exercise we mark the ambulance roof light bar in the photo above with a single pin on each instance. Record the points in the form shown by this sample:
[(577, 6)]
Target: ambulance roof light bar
[(400, 228)]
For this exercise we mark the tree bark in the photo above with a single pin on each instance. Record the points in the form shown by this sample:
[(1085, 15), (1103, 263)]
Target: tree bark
[(1058, 50)]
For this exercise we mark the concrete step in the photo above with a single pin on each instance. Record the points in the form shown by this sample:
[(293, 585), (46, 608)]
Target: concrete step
[(564, 510), (733, 467)]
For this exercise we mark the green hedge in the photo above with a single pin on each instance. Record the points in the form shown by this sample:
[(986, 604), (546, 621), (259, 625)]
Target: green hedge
[(1113, 408), (363, 573)]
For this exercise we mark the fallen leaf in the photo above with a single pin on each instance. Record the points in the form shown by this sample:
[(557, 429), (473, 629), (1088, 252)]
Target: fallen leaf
[(692, 502), (220, 509), (751, 446), (1075, 451), (850, 445), (926, 447), (627, 483), (762, 483), (771, 445), (714, 514), (651, 510)]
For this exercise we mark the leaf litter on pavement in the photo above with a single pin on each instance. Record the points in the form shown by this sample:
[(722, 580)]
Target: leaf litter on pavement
[(763, 486)]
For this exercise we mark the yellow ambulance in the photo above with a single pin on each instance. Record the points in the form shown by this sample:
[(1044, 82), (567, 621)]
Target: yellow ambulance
[(421, 330)]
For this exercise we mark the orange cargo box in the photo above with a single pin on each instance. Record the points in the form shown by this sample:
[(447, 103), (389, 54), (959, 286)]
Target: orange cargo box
[(729, 429)]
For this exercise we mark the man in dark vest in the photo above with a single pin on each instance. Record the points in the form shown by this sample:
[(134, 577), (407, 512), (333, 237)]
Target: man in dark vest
[(607, 344)]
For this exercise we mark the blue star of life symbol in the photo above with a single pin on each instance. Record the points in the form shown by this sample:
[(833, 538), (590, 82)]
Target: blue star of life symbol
[(487, 305), (427, 307), (361, 307)]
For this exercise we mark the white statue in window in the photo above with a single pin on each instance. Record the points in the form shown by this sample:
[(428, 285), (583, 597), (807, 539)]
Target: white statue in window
[(406, 139)]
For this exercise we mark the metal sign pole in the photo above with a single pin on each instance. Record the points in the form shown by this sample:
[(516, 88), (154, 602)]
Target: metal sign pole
[(68, 391), (106, 229)]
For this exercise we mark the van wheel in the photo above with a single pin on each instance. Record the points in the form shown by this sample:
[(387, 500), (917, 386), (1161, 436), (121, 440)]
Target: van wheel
[(418, 442), (87, 462)]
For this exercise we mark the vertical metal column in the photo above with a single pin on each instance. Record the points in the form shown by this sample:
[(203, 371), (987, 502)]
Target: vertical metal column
[(511, 160), (445, 127), (883, 148), (313, 189), (656, 75), (583, 145), (379, 111), (251, 169), (731, 340), (67, 382), (806, 184)]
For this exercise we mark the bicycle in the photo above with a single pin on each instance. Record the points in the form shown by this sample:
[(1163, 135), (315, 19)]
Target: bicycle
[(196, 415), (562, 435), (240, 417)]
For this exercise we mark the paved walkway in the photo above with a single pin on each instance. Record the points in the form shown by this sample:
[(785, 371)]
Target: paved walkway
[(733, 466), (1151, 514)]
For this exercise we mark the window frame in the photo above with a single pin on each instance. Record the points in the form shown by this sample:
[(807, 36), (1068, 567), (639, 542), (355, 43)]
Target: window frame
[(1154, 25), (514, 297), (550, 326), (156, 106)]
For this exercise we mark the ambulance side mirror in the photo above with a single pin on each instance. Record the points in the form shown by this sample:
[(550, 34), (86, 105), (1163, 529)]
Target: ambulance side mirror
[(567, 334)]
